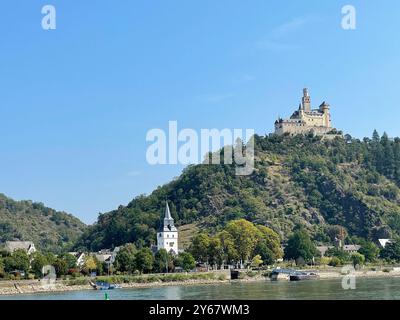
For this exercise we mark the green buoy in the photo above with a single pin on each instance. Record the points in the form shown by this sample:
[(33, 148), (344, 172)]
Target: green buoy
[(106, 296)]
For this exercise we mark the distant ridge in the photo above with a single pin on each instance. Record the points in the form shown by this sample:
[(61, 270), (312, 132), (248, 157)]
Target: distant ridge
[(31, 221)]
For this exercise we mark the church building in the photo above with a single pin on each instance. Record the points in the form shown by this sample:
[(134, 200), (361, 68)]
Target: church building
[(167, 236)]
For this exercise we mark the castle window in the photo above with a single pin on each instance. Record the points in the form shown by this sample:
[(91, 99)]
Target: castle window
[(167, 235), (171, 244)]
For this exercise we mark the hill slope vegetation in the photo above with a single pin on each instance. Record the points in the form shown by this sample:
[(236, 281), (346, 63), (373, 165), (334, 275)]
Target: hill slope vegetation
[(50, 230), (298, 181)]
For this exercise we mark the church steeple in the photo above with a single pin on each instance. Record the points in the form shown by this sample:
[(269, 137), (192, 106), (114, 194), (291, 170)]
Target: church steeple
[(167, 237), (167, 212), (168, 220)]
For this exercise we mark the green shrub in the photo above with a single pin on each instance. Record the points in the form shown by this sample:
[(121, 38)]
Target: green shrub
[(251, 274), (77, 282), (335, 261)]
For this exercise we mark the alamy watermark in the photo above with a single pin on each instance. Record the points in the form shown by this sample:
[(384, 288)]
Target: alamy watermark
[(49, 20), (186, 146), (348, 21), (48, 281), (349, 17), (349, 278)]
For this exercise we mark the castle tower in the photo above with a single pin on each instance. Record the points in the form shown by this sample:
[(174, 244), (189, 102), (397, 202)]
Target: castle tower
[(306, 101), (167, 236), (324, 108)]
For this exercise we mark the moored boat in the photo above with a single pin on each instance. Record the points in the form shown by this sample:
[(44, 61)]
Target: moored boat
[(281, 274), (104, 286), (303, 276), (292, 275)]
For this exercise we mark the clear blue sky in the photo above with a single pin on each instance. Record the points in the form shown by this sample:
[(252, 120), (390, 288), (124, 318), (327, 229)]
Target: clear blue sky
[(76, 102)]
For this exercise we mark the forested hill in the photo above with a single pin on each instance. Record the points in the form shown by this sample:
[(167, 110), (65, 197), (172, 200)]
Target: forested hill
[(298, 181), (29, 221)]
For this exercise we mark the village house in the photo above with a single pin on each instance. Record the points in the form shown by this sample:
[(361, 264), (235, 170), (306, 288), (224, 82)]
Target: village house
[(106, 255), (323, 249), (80, 258), (349, 248), (384, 242), (27, 246)]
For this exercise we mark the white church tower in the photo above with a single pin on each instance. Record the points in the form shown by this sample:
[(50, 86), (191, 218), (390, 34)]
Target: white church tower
[(167, 236)]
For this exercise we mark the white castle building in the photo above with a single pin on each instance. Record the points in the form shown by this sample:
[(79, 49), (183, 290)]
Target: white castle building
[(167, 236), (307, 120)]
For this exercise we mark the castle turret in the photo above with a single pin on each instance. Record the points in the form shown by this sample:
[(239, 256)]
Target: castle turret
[(306, 100), (324, 109)]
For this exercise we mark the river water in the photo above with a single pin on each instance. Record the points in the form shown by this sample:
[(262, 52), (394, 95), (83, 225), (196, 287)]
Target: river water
[(366, 288)]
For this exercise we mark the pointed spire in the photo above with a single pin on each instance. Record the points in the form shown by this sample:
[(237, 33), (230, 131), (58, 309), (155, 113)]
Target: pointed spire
[(167, 212)]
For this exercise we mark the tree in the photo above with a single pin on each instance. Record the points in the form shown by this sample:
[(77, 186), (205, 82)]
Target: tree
[(61, 266), (256, 261), (90, 264), (99, 266), (265, 253), (336, 232), (358, 259), (335, 261), (215, 252), (144, 260), (325, 260), (339, 253), (300, 246), (37, 264), (186, 261), (391, 252), (230, 253), (2, 272), (199, 247), (19, 260), (161, 260), (50, 257), (271, 240), (369, 250), (245, 236), (388, 161), (125, 259), (70, 260)]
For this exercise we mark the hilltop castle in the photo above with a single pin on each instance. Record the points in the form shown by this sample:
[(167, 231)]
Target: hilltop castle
[(306, 120)]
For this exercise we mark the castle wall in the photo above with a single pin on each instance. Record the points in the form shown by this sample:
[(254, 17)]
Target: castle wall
[(293, 129), (316, 119)]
